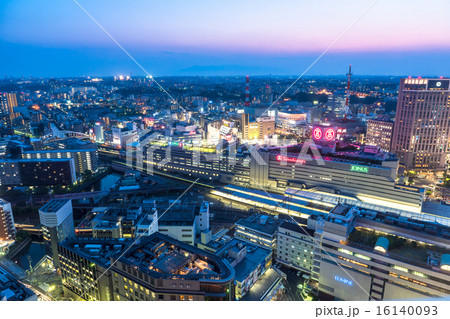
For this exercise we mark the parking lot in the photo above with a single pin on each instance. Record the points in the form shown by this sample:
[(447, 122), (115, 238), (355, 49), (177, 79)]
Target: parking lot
[(293, 292)]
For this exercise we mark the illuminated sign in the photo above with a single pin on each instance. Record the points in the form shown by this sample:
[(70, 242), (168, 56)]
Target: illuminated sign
[(281, 158), (361, 169), (317, 133), (438, 84), (343, 280), (330, 134), (179, 144), (327, 134)]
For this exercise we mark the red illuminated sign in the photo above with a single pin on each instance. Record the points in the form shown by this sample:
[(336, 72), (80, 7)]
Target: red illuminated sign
[(330, 134), (317, 133), (281, 158)]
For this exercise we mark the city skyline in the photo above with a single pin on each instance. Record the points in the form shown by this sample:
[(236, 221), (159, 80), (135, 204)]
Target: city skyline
[(252, 150), (53, 38)]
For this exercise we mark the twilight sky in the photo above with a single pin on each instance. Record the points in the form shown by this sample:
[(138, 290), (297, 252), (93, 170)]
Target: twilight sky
[(224, 37)]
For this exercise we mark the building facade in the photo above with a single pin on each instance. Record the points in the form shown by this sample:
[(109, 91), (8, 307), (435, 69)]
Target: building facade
[(379, 133), (157, 268), (295, 246), (37, 172), (260, 230), (56, 218), (7, 228), (250, 263), (364, 255), (422, 123), (8, 101), (84, 159)]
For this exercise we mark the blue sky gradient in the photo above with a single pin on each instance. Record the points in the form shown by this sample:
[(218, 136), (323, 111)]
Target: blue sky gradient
[(200, 37)]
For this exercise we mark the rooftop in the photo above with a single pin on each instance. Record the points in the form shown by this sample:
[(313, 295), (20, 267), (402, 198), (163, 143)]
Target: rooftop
[(296, 228), (402, 249), (96, 250), (244, 257), (54, 205), (13, 290), (261, 223), (178, 215), (362, 156), (60, 151), (269, 281), (163, 256), (32, 160)]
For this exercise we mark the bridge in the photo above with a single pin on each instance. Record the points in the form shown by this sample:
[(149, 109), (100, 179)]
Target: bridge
[(84, 195)]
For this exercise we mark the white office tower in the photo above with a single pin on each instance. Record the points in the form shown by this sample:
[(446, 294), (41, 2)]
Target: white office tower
[(203, 216), (56, 219), (98, 131), (7, 228)]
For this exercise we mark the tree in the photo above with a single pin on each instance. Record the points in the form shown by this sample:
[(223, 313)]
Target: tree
[(22, 235), (87, 174), (41, 190), (58, 189)]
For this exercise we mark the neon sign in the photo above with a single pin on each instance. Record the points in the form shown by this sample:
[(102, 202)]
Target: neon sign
[(329, 134), (288, 159), (361, 169), (343, 280), (326, 133), (317, 133)]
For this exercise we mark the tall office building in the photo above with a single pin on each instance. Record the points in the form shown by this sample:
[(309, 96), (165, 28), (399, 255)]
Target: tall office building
[(379, 133), (7, 228), (8, 101), (263, 127), (99, 134), (56, 219), (422, 123)]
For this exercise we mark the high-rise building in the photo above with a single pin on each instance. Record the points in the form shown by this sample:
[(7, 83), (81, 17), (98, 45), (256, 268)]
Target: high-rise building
[(8, 101), (98, 131), (56, 219), (379, 133), (262, 128), (422, 123), (7, 228)]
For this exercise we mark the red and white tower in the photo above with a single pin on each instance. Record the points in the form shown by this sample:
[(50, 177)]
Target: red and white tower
[(247, 91), (347, 99)]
